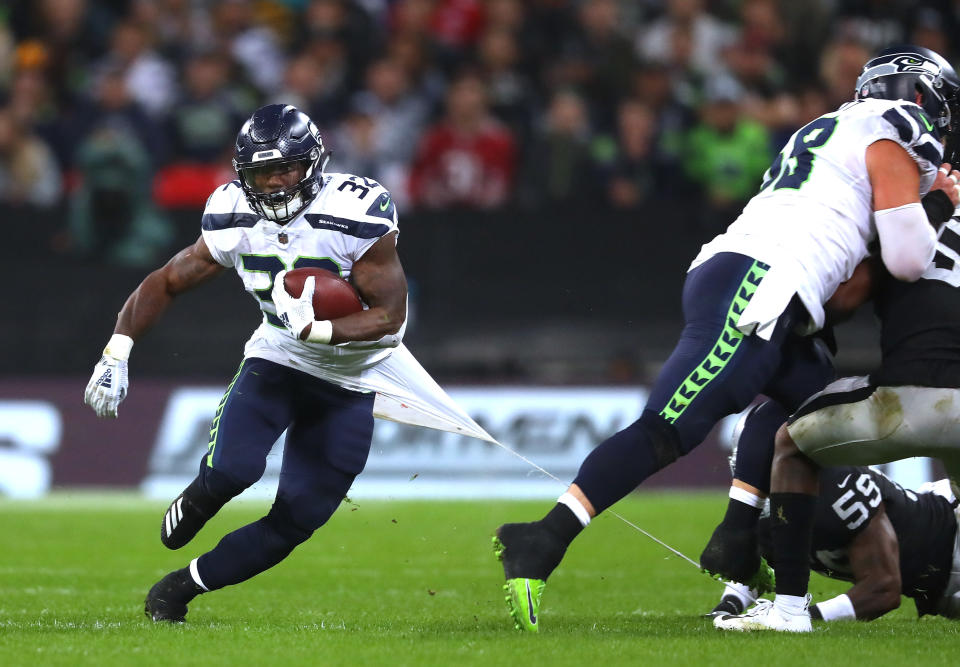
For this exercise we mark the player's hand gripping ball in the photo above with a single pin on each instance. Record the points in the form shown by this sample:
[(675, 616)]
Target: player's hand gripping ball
[(304, 295), (333, 297)]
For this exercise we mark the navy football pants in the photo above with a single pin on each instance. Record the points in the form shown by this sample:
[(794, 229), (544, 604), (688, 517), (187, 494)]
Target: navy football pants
[(713, 371), (329, 430)]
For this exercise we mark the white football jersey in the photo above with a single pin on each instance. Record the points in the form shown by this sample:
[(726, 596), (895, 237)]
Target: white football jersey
[(346, 218), (813, 217)]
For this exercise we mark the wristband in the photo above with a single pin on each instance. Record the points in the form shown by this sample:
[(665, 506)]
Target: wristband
[(937, 206), (320, 332), (836, 609), (119, 347)]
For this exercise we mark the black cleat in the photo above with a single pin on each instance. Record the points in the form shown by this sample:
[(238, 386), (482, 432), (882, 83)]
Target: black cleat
[(168, 598), (729, 604), (528, 550), (732, 554), (184, 518)]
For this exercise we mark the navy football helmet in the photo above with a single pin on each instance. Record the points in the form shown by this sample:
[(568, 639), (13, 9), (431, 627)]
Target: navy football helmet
[(900, 72), (274, 135)]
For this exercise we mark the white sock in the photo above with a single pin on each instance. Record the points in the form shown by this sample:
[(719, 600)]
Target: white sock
[(579, 511), (791, 604), (195, 574), (746, 595), (745, 497)]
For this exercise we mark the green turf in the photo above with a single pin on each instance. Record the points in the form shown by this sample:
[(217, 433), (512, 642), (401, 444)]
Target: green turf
[(399, 583)]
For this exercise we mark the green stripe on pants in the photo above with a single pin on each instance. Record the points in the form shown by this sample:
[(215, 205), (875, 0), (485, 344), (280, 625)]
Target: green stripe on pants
[(215, 425), (722, 350)]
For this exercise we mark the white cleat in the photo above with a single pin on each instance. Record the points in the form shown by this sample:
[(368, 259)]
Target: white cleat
[(765, 616)]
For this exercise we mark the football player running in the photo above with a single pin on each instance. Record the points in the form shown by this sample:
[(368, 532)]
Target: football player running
[(887, 540), (282, 213), (842, 181)]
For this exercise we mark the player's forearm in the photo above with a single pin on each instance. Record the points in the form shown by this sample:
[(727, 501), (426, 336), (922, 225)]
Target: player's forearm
[(851, 294), (874, 597), (144, 306), (372, 324)]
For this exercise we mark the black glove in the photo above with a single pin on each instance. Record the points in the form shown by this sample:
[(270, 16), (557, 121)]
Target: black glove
[(938, 207)]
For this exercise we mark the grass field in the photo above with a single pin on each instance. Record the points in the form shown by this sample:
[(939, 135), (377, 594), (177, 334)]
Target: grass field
[(404, 583)]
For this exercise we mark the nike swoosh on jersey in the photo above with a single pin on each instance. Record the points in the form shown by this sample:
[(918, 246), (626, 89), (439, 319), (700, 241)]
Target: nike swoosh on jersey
[(844, 482), (385, 204)]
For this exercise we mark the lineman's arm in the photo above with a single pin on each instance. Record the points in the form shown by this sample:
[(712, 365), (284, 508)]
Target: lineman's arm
[(187, 269), (907, 240), (853, 293), (875, 562), (378, 277)]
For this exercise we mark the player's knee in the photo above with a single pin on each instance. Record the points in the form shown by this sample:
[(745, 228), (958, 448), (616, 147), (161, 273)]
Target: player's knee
[(284, 521), (216, 486), (784, 446), (664, 438)]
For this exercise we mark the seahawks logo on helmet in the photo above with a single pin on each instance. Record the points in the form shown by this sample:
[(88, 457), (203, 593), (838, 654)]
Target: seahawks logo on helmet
[(914, 74), (910, 63)]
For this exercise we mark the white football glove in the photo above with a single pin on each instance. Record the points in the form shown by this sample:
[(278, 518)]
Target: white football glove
[(295, 312), (108, 385)]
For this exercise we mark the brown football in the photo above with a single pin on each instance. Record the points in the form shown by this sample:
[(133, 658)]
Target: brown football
[(333, 296)]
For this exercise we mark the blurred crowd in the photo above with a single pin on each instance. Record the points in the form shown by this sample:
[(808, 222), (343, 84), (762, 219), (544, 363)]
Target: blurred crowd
[(117, 111)]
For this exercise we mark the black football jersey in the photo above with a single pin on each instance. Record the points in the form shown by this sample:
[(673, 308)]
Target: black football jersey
[(925, 525), (920, 333)]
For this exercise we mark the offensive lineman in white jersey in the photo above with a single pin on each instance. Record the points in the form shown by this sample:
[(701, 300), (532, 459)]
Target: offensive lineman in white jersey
[(284, 212), (753, 293)]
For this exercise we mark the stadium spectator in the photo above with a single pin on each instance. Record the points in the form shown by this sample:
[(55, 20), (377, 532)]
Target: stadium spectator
[(558, 165), (929, 29), (398, 114), (29, 173), (346, 23), (203, 121), (112, 217), (673, 119), (512, 95), (874, 23), (727, 154), (708, 36), (149, 78), (355, 143), (72, 32), (315, 84), (596, 58), (840, 65), (467, 158), (426, 79), (112, 108), (253, 45), (633, 179), (176, 27)]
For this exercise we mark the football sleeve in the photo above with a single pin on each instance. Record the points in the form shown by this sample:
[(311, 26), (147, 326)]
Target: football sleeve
[(380, 218), (908, 125), (223, 218)]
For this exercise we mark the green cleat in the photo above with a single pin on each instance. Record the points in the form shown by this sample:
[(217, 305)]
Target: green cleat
[(529, 553), (523, 602), (764, 580)]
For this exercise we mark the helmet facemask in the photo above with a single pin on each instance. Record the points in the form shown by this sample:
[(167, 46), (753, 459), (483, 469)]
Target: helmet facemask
[(283, 205)]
